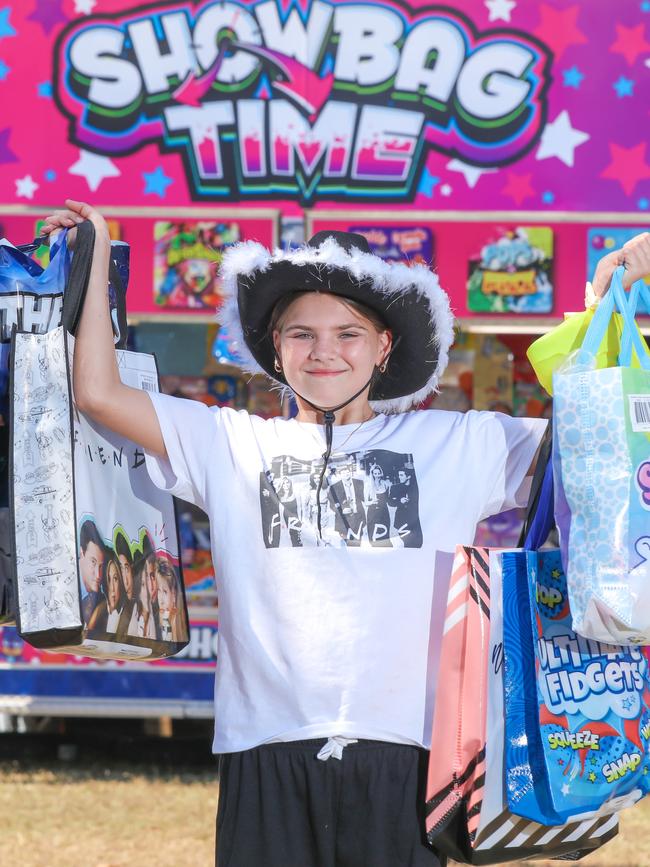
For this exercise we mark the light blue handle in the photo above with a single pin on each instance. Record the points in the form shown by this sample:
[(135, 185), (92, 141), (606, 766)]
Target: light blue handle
[(631, 336), (614, 300)]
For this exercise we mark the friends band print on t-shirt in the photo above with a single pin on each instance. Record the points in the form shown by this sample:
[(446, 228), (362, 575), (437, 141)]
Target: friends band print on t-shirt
[(367, 499)]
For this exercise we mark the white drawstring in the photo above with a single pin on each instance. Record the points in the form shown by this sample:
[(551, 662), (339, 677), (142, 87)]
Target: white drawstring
[(334, 748)]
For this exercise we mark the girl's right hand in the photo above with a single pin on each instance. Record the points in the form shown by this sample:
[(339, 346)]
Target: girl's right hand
[(75, 213)]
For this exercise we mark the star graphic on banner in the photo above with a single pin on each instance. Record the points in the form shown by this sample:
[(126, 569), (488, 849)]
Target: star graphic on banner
[(84, 7), (4, 70), (427, 184), (45, 89), (628, 166), (48, 13), (559, 139), (593, 761), (628, 702), (94, 168), (26, 187), (518, 187), (566, 789), (5, 27), (156, 182), (50, 175), (500, 9), (592, 777), (548, 197), (559, 29), (643, 203), (470, 173), (573, 77), (645, 6), (624, 86), (630, 42), (6, 154), (556, 573), (446, 190)]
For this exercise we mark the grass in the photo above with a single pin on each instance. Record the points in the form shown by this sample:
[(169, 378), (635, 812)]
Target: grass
[(55, 815)]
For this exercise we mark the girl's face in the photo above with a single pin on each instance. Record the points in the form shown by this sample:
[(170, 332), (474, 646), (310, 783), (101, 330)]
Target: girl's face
[(113, 585), (327, 349), (165, 595)]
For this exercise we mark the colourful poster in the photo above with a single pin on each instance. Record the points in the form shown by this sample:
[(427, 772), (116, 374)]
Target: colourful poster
[(410, 244), (512, 272), (186, 262), (530, 105)]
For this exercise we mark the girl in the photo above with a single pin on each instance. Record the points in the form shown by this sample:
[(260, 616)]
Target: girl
[(106, 616), (323, 689), (172, 626)]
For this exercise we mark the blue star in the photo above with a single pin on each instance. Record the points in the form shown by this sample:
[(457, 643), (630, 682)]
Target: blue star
[(624, 86), (4, 70), (645, 6), (573, 77), (644, 204), (45, 89), (548, 197), (427, 184), (5, 27), (50, 175), (156, 183)]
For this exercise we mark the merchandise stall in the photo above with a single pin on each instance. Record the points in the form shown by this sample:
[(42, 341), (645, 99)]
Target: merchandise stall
[(480, 138)]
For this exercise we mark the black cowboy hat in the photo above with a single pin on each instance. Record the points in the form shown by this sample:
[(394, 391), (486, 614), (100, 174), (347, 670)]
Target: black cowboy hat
[(407, 298)]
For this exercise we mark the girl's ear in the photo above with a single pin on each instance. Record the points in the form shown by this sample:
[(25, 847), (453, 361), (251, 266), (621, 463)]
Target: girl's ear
[(276, 342)]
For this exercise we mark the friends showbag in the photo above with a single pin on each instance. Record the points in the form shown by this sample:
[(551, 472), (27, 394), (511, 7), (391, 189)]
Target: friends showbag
[(601, 460), (467, 814), (97, 566), (577, 719)]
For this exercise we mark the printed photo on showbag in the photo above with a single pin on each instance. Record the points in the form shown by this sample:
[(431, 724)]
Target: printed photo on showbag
[(128, 549), (593, 699)]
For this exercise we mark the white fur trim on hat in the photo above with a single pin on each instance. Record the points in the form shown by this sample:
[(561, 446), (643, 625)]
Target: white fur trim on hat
[(248, 257)]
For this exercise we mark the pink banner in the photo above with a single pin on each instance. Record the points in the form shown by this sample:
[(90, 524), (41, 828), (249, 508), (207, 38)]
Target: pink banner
[(497, 104)]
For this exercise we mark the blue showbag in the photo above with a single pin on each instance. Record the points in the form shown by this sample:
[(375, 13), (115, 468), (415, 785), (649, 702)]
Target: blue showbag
[(577, 717)]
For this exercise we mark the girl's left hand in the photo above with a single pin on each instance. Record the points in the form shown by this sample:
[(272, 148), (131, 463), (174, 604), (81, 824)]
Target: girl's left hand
[(634, 255)]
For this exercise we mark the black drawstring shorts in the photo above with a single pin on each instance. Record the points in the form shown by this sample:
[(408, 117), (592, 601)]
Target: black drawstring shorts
[(280, 806)]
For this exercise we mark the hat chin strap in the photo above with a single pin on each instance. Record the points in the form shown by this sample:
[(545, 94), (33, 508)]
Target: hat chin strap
[(329, 418)]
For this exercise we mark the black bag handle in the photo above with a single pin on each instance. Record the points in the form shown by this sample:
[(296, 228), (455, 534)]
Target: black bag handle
[(77, 285), (536, 485)]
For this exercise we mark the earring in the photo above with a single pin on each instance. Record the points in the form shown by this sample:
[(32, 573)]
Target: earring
[(383, 366), (276, 365)]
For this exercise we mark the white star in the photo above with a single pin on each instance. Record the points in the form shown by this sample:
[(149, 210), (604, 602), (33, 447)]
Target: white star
[(84, 7), (500, 9), (560, 139), (26, 187), (94, 168), (565, 789), (471, 173), (446, 190)]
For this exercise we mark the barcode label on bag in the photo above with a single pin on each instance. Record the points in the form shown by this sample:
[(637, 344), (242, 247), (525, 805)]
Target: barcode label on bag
[(640, 412), (148, 383)]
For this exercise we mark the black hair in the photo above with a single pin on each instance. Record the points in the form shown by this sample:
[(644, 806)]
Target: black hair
[(122, 546), (89, 533)]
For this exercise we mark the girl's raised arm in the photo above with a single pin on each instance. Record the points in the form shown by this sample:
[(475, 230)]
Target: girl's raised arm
[(98, 389)]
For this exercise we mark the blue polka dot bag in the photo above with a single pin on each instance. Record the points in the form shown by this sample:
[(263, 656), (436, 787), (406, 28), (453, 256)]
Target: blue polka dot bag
[(601, 467)]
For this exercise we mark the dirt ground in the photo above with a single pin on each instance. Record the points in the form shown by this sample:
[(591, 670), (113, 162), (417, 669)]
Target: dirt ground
[(102, 815)]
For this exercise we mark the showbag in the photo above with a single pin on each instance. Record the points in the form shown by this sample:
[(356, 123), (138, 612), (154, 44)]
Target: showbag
[(577, 718), (97, 555), (467, 813), (601, 465)]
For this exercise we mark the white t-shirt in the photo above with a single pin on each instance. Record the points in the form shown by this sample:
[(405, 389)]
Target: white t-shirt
[(329, 633)]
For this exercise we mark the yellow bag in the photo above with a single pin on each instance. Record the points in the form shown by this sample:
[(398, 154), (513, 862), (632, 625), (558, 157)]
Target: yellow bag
[(549, 351)]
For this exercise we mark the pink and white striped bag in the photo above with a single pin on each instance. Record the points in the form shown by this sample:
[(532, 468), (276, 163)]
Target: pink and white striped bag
[(467, 814)]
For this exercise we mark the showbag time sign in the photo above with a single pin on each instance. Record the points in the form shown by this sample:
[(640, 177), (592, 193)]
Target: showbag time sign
[(331, 100)]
